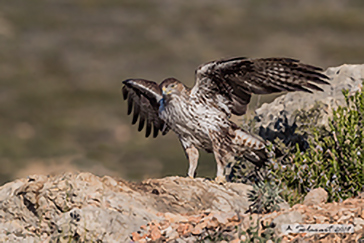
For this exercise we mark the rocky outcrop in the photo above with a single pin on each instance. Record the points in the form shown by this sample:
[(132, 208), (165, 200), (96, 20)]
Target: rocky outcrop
[(84, 206), (278, 119), (81, 207)]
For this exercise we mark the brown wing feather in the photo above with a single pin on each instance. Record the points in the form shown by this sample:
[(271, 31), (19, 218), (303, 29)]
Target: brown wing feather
[(236, 79), (143, 98)]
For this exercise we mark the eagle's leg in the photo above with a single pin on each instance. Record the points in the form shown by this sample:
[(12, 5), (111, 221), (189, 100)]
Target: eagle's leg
[(220, 153), (220, 177), (192, 156)]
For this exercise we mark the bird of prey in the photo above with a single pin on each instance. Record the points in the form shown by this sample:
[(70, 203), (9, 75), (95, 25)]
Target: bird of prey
[(200, 116)]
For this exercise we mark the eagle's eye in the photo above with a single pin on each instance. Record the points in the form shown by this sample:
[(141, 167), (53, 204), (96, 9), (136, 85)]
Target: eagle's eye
[(173, 86)]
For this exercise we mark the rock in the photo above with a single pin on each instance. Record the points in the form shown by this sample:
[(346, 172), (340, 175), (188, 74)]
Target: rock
[(243, 238), (223, 218), (197, 230), (319, 219), (278, 119), (315, 197), (155, 234), (283, 205), (74, 205), (345, 218), (292, 217), (135, 236), (358, 224), (175, 218), (173, 234)]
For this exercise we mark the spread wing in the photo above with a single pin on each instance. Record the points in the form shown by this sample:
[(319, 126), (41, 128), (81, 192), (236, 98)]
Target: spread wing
[(231, 82), (143, 97)]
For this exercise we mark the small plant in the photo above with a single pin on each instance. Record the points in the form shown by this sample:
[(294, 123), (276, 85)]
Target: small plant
[(264, 197), (255, 234)]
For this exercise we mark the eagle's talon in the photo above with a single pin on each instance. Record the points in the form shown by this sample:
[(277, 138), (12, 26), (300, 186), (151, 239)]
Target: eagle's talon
[(220, 179), (191, 177)]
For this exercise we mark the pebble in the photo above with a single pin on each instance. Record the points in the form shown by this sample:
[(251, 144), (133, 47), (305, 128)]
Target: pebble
[(155, 234), (136, 236)]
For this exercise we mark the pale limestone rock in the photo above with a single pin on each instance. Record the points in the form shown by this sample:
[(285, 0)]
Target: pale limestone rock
[(292, 217), (358, 224), (84, 206), (315, 197)]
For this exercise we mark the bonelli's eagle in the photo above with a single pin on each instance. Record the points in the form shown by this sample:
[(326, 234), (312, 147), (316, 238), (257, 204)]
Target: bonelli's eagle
[(200, 115)]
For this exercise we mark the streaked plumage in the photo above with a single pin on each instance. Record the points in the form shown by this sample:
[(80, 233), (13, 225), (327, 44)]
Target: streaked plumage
[(200, 115)]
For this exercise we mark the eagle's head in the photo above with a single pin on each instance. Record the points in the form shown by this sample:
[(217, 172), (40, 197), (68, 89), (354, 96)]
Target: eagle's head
[(171, 87)]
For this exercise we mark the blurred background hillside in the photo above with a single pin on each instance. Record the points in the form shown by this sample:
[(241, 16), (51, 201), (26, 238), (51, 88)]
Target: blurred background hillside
[(62, 63)]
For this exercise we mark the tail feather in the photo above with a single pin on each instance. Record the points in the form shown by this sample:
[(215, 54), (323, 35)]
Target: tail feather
[(250, 147), (257, 157)]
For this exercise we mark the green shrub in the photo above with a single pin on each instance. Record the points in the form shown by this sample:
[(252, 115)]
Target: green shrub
[(264, 197), (332, 160)]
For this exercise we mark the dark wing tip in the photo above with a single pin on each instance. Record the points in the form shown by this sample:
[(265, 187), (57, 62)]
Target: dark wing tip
[(155, 131), (148, 129), (135, 113), (130, 104), (141, 123), (315, 76), (124, 92), (314, 87), (323, 78)]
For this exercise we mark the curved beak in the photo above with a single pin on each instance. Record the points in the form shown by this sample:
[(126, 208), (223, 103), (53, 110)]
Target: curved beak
[(165, 91)]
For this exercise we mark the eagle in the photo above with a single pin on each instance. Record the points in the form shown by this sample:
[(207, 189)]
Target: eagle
[(200, 116)]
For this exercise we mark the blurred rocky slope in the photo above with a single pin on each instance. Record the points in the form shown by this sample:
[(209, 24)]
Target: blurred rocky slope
[(62, 63)]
